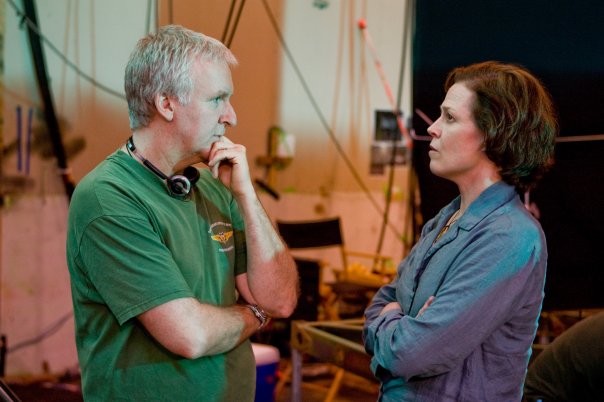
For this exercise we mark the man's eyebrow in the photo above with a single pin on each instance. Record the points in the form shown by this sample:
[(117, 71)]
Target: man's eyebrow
[(222, 93)]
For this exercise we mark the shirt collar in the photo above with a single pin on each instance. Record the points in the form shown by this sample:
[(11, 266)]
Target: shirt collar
[(488, 201)]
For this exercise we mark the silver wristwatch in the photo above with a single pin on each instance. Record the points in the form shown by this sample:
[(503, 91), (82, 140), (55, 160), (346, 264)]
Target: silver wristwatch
[(260, 314)]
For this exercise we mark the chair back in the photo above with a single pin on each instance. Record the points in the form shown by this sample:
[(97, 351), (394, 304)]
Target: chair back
[(348, 296), (310, 234)]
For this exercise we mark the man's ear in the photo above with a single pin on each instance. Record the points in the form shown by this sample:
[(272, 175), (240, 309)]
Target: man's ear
[(165, 106)]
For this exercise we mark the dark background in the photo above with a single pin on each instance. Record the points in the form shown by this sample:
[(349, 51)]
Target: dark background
[(561, 43)]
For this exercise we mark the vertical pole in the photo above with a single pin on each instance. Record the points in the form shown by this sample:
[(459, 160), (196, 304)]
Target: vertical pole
[(296, 375), (37, 53), (2, 27)]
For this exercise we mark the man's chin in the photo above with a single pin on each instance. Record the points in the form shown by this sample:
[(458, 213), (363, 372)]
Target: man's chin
[(193, 159)]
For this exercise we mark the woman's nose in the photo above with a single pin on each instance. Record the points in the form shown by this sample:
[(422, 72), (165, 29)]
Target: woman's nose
[(434, 129)]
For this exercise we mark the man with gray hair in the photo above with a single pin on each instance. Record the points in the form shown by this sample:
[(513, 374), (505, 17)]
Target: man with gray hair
[(173, 267)]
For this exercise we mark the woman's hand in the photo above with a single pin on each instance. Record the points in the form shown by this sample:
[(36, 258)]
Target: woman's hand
[(425, 306), (391, 306)]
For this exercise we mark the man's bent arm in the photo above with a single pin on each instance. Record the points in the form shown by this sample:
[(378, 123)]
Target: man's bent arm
[(191, 329), (271, 271)]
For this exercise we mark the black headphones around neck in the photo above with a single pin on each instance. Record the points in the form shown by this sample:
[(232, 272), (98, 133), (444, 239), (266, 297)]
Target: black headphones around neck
[(179, 185)]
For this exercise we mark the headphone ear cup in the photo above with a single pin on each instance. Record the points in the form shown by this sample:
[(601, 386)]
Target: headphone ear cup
[(179, 185), (191, 173)]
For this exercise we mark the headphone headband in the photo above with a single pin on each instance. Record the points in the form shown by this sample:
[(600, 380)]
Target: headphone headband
[(178, 185)]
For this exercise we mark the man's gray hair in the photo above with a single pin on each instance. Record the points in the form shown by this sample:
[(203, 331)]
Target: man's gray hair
[(160, 64)]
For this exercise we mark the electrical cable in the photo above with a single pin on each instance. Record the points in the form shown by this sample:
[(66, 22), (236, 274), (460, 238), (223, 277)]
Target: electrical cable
[(412, 182), (93, 55), (416, 219), (77, 88), (34, 28), (336, 100), (235, 24), (45, 334), (170, 12), (66, 34), (401, 76), (355, 100), (148, 16), (378, 65), (322, 118), (364, 103), (392, 163), (228, 21)]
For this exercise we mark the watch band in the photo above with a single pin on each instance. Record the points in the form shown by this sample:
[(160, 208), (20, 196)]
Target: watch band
[(260, 314)]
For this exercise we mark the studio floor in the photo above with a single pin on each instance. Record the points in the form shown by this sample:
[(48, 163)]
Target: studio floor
[(317, 380)]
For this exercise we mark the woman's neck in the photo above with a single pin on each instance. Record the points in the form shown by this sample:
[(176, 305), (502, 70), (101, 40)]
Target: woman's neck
[(471, 191)]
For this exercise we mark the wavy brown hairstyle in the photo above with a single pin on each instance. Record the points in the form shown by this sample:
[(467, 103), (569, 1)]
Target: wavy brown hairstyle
[(516, 114)]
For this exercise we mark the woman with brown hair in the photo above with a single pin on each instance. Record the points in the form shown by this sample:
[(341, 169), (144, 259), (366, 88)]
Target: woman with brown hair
[(458, 321)]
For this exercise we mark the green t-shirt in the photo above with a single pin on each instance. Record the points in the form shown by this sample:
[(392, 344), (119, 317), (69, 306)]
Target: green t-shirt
[(131, 247)]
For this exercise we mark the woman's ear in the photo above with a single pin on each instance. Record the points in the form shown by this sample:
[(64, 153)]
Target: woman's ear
[(165, 106), (492, 134)]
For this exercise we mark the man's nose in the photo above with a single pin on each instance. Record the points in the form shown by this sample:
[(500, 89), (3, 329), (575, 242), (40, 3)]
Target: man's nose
[(229, 116)]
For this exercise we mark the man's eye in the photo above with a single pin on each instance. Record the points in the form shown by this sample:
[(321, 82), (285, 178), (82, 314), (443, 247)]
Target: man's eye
[(448, 116)]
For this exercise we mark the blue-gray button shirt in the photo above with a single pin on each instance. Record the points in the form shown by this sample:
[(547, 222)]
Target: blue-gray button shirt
[(487, 273)]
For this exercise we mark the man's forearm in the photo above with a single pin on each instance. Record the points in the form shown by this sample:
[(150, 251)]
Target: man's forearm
[(223, 342), (191, 329), (272, 274)]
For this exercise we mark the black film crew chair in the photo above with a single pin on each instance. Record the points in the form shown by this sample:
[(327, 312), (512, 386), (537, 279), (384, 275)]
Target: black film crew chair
[(355, 282)]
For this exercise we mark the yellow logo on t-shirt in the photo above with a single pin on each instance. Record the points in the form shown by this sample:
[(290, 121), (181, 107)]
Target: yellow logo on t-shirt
[(222, 232), (222, 237)]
